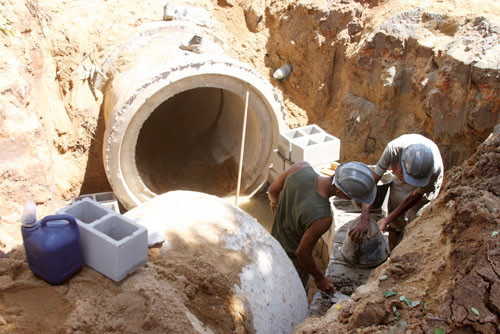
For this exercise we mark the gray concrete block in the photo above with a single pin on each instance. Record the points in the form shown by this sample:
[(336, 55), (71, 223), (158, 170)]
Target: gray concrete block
[(285, 141), (316, 149), (112, 244), (107, 199), (277, 161)]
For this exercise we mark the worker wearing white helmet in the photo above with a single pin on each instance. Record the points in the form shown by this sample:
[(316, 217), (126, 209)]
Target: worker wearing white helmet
[(299, 197), (417, 169)]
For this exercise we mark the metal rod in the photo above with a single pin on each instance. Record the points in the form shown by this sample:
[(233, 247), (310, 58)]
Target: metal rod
[(242, 150)]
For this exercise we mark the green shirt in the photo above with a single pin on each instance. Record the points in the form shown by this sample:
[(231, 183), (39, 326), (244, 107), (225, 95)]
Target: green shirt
[(298, 207)]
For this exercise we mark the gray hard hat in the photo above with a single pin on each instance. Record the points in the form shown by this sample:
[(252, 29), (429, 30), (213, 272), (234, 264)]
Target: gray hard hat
[(355, 179), (417, 163)]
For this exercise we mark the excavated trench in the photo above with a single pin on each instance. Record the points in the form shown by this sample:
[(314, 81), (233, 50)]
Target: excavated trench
[(175, 123)]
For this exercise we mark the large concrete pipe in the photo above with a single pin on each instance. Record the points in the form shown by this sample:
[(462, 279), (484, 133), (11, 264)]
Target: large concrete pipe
[(174, 108), (266, 286)]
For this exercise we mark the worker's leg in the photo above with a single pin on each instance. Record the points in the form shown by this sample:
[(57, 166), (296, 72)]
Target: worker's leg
[(303, 275), (396, 227), (398, 192)]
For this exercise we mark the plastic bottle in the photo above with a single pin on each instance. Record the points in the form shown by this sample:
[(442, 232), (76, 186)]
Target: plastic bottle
[(53, 247)]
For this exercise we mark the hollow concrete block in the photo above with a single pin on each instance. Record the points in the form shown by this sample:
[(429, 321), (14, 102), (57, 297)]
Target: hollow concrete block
[(285, 141), (112, 244), (278, 161), (316, 149), (107, 199), (311, 130)]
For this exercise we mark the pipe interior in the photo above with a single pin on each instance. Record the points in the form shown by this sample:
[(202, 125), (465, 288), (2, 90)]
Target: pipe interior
[(192, 141)]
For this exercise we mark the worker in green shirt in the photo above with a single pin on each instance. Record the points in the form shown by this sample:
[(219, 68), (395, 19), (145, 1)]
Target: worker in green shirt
[(299, 197)]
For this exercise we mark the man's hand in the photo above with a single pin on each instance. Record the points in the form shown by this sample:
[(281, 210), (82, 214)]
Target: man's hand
[(325, 284), (363, 227), (273, 205), (358, 232), (382, 224)]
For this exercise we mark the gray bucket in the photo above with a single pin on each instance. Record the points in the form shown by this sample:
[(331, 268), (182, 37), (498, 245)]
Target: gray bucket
[(371, 252)]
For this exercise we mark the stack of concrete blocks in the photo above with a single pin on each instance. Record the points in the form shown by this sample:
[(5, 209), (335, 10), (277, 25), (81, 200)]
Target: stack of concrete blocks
[(107, 199), (112, 244), (309, 143)]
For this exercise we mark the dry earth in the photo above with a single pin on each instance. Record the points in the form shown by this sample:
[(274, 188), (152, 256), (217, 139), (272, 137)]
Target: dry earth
[(365, 71), (188, 290)]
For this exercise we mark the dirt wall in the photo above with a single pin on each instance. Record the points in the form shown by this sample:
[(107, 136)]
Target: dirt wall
[(419, 71)]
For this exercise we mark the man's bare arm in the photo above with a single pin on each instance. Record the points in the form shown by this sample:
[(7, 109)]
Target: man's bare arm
[(304, 252), (402, 208), (363, 227)]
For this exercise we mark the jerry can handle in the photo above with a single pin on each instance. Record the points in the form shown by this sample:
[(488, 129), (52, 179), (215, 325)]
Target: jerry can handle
[(68, 218)]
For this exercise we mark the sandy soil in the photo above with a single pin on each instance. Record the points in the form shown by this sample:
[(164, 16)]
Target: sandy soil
[(50, 132), (168, 295)]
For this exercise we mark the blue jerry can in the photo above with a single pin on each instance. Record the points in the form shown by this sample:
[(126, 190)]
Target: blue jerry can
[(53, 248)]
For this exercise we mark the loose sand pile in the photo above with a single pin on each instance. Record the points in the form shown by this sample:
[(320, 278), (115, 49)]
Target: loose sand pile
[(218, 271), (175, 292)]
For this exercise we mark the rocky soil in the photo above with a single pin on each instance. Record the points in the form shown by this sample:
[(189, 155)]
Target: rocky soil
[(365, 71)]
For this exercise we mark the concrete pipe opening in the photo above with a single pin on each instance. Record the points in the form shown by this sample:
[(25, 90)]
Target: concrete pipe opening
[(174, 118), (192, 142)]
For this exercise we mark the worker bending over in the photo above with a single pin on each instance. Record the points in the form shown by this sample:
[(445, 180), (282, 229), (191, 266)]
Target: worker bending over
[(299, 197), (417, 170)]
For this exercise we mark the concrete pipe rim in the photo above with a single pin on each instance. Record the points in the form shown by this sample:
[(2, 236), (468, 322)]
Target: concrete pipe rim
[(116, 153)]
